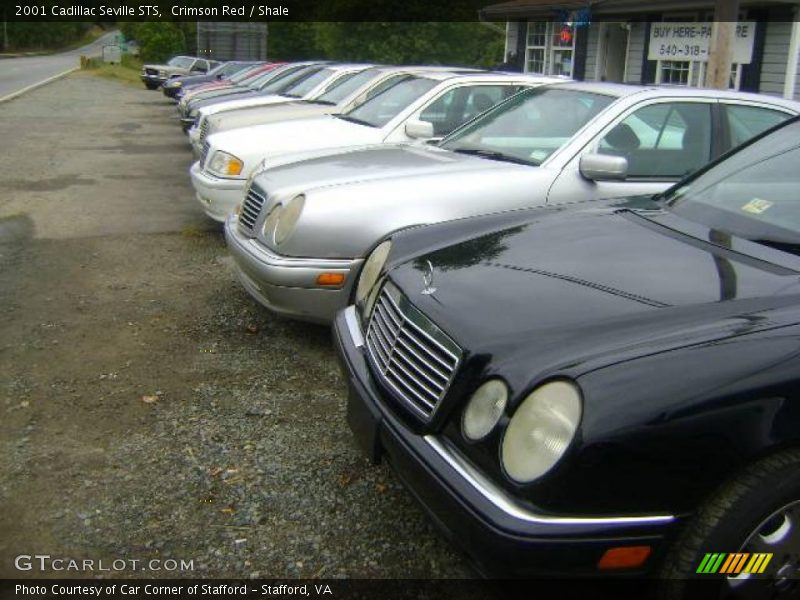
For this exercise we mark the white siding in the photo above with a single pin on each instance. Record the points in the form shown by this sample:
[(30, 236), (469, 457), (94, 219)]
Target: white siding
[(636, 43), (592, 45), (773, 65)]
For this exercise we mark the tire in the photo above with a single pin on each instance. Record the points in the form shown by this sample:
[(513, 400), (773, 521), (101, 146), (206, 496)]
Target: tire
[(748, 514), (151, 86)]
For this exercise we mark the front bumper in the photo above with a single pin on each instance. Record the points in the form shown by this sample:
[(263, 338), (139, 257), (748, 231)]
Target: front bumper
[(154, 79), (288, 285), (171, 92), (216, 195), (503, 536)]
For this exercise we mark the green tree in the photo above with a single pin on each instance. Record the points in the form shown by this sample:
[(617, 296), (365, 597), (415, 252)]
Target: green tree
[(159, 40)]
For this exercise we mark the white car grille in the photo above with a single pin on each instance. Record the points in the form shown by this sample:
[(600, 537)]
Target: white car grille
[(251, 207)]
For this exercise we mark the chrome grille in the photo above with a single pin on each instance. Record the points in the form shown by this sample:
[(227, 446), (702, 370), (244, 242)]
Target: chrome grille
[(251, 207), (204, 130), (412, 356), (204, 154)]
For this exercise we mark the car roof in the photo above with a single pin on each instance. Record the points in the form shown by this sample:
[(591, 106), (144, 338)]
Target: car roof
[(622, 90)]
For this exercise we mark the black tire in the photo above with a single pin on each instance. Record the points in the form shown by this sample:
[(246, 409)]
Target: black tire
[(730, 521), (151, 86)]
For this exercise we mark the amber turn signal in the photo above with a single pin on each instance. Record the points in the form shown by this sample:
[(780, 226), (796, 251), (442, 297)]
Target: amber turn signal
[(330, 279), (626, 557)]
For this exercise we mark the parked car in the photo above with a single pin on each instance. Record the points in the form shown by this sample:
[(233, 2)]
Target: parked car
[(154, 75), (550, 145), (242, 78), (315, 83), (337, 99), (422, 106), (607, 388), (221, 72), (274, 82)]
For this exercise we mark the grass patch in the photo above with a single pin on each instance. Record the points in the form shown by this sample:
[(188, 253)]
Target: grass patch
[(128, 71)]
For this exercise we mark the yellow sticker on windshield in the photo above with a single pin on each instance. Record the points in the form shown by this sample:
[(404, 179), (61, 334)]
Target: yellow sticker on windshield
[(757, 206)]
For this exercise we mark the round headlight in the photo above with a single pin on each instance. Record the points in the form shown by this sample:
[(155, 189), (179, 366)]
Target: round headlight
[(371, 270), (288, 218), (484, 410), (541, 430), (225, 165), (270, 222)]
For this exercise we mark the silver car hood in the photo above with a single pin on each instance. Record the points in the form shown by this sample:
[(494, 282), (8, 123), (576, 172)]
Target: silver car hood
[(355, 199), (311, 171)]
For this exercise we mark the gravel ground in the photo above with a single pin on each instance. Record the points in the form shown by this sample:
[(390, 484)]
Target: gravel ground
[(150, 408)]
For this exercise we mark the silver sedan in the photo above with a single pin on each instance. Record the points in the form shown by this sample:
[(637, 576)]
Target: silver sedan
[(305, 228)]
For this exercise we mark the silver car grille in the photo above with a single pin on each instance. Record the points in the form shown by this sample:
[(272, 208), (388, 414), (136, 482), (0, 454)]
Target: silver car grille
[(413, 357), (203, 131), (204, 154), (253, 202)]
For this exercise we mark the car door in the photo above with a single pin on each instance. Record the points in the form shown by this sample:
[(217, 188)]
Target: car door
[(455, 106), (662, 140)]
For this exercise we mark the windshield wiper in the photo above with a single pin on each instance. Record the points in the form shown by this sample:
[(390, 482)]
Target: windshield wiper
[(355, 120), (494, 155), (325, 102)]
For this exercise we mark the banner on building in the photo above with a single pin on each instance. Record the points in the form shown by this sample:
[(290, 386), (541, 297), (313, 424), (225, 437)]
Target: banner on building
[(691, 41)]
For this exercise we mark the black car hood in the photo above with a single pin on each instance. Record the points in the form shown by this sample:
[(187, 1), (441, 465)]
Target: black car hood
[(570, 291)]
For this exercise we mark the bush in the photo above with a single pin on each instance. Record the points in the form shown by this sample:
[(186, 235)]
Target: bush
[(157, 41)]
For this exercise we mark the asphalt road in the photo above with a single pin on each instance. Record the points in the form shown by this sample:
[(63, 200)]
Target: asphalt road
[(19, 73)]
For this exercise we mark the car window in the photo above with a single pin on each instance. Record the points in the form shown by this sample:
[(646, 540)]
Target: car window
[(662, 141), (305, 84), (530, 126), (274, 83), (383, 107), (745, 122), (200, 65), (462, 103), (346, 85), (181, 62)]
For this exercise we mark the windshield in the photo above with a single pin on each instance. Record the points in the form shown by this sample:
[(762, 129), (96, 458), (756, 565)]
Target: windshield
[(287, 78), (530, 126), (754, 194), (246, 74), (347, 85), (305, 85), (382, 108), (182, 62)]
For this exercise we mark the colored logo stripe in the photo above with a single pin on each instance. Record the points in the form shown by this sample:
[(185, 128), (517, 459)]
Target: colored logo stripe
[(735, 563)]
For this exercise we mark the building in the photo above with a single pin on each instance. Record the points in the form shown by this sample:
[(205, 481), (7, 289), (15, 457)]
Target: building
[(232, 40), (652, 42)]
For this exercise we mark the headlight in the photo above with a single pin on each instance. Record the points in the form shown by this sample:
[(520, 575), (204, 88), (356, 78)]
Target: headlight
[(270, 222), (288, 218), (371, 271), (541, 430), (484, 410), (225, 165), (176, 84), (162, 73)]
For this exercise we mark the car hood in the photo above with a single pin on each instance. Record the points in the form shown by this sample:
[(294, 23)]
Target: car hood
[(257, 115), (274, 139), (572, 290), (371, 163), (246, 101)]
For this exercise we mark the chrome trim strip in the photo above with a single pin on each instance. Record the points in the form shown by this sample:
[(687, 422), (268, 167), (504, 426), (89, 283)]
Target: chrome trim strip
[(353, 327), (504, 502)]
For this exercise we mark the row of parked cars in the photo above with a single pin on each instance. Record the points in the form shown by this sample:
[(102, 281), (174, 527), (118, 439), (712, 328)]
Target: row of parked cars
[(568, 312)]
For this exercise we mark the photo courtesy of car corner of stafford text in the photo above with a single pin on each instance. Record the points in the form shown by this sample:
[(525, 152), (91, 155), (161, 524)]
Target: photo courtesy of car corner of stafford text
[(359, 299)]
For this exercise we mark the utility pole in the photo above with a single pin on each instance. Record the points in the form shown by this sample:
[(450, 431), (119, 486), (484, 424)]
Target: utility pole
[(720, 53)]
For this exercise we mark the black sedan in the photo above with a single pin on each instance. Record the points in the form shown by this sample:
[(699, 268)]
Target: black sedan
[(608, 388)]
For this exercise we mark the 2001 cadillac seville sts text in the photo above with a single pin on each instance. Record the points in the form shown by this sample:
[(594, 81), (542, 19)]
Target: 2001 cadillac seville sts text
[(610, 386), (305, 227)]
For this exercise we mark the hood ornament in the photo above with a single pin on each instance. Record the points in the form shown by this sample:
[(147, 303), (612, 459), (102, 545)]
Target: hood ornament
[(427, 277)]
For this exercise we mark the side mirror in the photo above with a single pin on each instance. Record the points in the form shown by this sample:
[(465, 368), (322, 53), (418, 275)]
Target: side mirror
[(419, 129), (603, 167)]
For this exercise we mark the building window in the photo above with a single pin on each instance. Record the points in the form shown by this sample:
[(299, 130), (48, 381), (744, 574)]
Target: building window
[(675, 72), (536, 47), (550, 48)]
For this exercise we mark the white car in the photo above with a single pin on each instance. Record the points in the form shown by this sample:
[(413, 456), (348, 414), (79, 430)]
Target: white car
[(422, 106), (344, 95), (307, 88)]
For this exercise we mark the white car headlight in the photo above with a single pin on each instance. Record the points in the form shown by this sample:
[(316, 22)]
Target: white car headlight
[(288, 218), (371, 272), (484, 410), (271, 221), (541, 430), (225, 164)]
